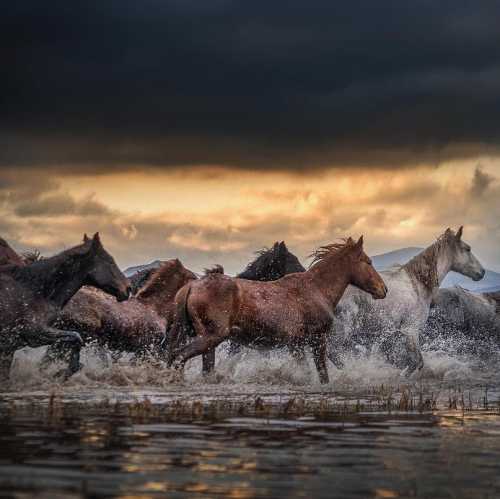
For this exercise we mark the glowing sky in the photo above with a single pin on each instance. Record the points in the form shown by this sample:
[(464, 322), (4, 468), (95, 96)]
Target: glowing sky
[(208, 129), (212, 214)]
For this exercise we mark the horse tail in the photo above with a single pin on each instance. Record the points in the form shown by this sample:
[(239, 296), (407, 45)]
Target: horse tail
[(182, 325)]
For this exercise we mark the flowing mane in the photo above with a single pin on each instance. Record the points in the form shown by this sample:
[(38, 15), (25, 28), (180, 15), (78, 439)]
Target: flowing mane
[(160, 278), (216, 269), (329, 250), (423, 267), (271, 264)]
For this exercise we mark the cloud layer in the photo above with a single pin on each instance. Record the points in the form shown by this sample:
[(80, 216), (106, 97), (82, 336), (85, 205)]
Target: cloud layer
[(253, 84), (227, 214)]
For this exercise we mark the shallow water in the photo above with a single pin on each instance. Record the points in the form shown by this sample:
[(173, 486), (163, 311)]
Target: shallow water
[(261, 427)]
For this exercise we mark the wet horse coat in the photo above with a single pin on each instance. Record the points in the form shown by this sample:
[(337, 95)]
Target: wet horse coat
[(294, 311), (403, 314), (137, 325), (32, 296)]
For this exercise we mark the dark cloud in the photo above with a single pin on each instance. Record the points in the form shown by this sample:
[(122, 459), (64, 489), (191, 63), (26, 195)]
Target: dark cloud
[(57, 205), (254, 84), (481, 183)]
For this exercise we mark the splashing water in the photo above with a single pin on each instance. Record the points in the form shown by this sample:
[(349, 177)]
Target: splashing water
[(261, 426)]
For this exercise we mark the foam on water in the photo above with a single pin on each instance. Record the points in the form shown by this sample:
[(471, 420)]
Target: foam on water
[(254, 372)]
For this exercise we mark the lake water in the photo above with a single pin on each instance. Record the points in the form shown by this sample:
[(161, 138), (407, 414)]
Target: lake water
[(260, 427)]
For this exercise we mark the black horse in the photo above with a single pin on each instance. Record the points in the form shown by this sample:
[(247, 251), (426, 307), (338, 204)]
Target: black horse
[(31, 297), (272, 264)]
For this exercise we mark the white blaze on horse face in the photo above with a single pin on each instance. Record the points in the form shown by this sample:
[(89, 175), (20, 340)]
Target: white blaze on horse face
[(464, 262)]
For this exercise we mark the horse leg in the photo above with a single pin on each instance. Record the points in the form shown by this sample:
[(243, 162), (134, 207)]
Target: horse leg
[(208, 362), (414, 355), (200, 345), (298, 354), (5, 363), (319, 354), (60, 339)]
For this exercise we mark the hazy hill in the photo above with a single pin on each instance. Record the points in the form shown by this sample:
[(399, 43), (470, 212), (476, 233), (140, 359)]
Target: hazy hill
[(491, 281)]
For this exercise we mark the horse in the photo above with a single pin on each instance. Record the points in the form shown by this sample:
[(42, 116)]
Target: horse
[(8, 257), (471, 319), (293, 311), (31, 296), (137, 325), (272, 264), (140, 324), (396, 322)]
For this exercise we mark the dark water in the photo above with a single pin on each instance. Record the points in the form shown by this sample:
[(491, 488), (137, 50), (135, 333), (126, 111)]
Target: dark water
[(54, 448), (261, 427)]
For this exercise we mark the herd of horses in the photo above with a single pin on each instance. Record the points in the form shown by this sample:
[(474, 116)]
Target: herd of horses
[(340, 301)]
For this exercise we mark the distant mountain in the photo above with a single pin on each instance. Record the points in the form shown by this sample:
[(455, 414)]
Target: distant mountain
[(133, 270), (397, 257), (490, 282)]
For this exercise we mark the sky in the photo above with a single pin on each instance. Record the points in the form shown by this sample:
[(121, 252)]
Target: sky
[(207, 130)]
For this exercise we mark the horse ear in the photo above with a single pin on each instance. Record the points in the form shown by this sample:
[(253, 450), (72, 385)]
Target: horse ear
[(85, 238), (460, 232), (359, 245), (96, 241)]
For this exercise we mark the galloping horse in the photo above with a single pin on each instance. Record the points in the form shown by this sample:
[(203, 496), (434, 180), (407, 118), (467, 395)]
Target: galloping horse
[(139, 325), (31, 297), (294, 311), (471, 318), (404, 312), (136, 325)]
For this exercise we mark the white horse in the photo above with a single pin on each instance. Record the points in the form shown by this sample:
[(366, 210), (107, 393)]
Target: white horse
[(395, 323)]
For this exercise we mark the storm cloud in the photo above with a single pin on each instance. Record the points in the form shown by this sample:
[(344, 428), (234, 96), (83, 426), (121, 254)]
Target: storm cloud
[(97, 85)]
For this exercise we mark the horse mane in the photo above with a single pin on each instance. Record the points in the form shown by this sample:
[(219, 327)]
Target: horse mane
[(423, 267), (157, 278), (330, 249), (263, 252), (216, 269)]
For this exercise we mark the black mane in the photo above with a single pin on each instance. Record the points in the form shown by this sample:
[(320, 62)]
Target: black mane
[(271, 264)]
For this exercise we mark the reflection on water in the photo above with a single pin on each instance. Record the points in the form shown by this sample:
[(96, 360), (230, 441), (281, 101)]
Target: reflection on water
[(144, 450), (259, 428)]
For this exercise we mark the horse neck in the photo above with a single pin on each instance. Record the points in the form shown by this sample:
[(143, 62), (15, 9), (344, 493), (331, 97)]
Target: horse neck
[(157, 294), (431, 266), (331, 276), (56, 278)]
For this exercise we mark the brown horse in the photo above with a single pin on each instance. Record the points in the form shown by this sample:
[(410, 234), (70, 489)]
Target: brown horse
[(136, 325), (8, 257), (294, 311), (32, 295)]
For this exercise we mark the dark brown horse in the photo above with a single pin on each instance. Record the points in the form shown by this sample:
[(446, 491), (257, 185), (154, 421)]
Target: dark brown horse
[(8, 257), (294, 311), (31, 297), (137, 325)]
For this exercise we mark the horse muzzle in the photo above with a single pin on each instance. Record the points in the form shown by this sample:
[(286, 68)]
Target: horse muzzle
[(380, 292)]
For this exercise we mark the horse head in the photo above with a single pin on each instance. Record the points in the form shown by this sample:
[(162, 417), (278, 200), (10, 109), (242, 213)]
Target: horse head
[(461, 257), (272, 263), (363, 274), (290, 261), (103, 273)]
